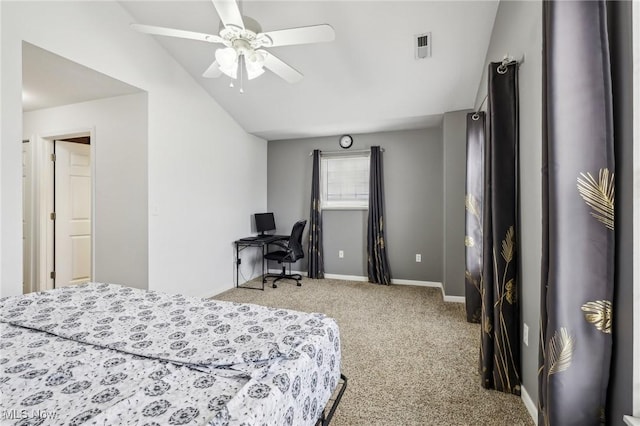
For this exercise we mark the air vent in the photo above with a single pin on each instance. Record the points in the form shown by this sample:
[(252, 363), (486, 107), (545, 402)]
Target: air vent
[(423, 45)]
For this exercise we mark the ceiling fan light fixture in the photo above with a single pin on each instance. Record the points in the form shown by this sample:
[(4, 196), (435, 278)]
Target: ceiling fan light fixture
[(254, 61), (256, 58), (227, 58), (254, 72)]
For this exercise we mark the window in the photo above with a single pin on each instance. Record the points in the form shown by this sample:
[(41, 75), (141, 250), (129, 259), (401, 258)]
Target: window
[(344, 182)]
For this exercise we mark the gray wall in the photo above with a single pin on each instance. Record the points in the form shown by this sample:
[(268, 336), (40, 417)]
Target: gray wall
[(620, 386), (413, 174), (454, 136), (346, 230), (518, 30)]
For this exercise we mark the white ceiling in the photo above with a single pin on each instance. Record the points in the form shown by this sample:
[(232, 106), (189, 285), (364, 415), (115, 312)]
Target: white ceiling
[(367, 80), (49, 80)]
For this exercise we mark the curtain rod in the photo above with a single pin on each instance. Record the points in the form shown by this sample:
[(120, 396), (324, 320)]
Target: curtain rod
[(505, 61), (348, 152)]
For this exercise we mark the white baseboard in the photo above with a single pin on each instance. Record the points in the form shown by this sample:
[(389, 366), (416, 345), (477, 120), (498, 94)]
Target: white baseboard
[(528, 402), (417, 283), (453, 299), (446, 298), (346, 277), (631, 421), (435, 284)]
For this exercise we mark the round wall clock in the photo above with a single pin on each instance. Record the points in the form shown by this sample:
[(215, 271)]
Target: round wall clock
[(346, 141)]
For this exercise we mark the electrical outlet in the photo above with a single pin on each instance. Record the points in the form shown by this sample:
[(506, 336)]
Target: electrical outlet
[(341, 254), (525, 334), (418, 258)]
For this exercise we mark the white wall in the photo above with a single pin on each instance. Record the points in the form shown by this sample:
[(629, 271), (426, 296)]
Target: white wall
[(206, 175), (120, 173), (2, 242)]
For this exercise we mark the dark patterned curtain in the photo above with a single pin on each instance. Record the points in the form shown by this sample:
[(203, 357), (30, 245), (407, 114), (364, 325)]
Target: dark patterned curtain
[(316, 263), (378, 265), (500, 347), (578, 215), (473, 204)]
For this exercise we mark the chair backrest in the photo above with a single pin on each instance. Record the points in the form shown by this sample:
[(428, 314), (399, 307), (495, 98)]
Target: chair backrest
[(295, 240)]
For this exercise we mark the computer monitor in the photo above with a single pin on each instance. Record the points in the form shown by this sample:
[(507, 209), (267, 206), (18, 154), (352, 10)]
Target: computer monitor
[(265, 222)]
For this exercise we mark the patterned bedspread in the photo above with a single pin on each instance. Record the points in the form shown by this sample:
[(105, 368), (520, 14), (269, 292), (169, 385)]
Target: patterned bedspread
[(105, 354)]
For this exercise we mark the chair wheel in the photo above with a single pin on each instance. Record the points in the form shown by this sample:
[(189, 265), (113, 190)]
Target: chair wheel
[(274, 285), (299, 284)]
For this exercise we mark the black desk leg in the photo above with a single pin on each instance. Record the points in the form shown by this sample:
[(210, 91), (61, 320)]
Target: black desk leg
[(263, 273), (237, 267)]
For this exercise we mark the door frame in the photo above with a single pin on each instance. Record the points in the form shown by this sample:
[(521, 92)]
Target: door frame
[(635, 7), (28, 216), (43, 197)]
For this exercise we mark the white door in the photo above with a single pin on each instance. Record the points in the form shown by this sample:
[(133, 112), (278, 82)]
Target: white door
[(26, 218), (73, 213)]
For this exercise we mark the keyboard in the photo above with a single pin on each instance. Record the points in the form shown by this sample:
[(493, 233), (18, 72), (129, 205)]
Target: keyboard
[(265, 238)]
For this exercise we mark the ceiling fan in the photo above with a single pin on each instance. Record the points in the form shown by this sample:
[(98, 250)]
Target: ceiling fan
[(244, 44)]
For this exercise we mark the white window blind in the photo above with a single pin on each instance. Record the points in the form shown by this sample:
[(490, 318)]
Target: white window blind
[(345, 182)]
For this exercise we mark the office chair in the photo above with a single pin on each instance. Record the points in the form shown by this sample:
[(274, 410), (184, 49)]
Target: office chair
[(290, 252)]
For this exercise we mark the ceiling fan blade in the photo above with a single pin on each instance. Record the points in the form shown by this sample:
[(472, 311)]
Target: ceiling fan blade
[(171, 32), (213, 71), (229, 12), (302, 35), (281, 69)]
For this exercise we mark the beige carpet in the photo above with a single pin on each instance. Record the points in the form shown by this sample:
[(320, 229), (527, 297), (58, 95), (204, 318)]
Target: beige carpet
[(410, 358)]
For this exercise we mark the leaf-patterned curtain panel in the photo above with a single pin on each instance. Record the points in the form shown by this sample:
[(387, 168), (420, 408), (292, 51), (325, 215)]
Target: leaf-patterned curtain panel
[(473, 205), (377, 264), (500, 343), (316, 262), (578, 215)]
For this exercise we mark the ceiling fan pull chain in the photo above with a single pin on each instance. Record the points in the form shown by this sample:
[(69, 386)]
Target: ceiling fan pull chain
[(240, 65)]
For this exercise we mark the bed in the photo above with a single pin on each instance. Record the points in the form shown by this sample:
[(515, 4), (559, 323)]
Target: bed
[(105, 354)]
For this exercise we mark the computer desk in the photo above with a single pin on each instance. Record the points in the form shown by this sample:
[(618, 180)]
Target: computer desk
[(256, 241)]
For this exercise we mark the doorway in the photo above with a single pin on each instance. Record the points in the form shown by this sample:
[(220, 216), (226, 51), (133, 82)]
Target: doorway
[(58, 218), (72, 214)]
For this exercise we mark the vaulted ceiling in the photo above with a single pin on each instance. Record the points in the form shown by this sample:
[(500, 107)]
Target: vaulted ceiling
[(366, 80), (49, 80)]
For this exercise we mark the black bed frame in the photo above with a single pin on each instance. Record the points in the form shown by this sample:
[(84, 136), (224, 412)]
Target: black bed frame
[(332, 404)]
